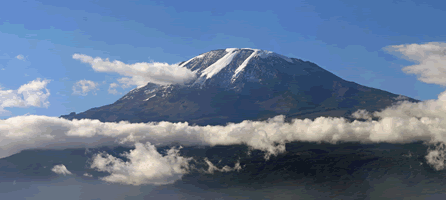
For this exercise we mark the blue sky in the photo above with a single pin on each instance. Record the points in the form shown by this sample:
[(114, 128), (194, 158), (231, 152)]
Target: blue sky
[(39, 38)]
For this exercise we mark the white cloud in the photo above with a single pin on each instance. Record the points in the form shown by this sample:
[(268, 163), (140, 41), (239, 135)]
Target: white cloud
[(112, 90), (431, 59), (82, 87), (20, 57), (362, 114), (145, 166), (139, 74), (212, 168), (88, 175), (30, 94), (61, 169)]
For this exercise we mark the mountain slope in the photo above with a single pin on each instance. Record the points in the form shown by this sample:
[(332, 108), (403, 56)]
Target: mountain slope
[(233, 85)]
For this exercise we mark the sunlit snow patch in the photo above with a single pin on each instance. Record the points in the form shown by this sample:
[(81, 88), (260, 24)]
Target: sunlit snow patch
[(150, 97), (243, 65), (220, 64)]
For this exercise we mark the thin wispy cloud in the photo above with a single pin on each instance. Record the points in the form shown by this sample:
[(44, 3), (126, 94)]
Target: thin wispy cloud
[(4, 56), (83, 87), (212, 168), (112, 89), (30, 94), (139, 74)]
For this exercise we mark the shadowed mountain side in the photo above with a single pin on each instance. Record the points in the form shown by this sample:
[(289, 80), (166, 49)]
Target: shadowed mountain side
[(253, 86)]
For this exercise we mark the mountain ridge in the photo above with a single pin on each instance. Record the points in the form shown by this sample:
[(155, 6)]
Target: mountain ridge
[(237, 84)]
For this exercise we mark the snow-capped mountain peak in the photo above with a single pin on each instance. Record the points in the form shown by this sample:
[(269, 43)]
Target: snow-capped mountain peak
[(228, 64), (232, 68), (236, 84)]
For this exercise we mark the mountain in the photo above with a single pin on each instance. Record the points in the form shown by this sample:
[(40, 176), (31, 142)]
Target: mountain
[(236, 84)]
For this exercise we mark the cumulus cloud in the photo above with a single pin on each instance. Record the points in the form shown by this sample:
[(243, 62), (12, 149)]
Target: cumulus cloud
[(83, 87), (20, 57), (430, 58), (112, 90), (145, 166), (140, 74), (30, 94), (61, 169), (88, 175)]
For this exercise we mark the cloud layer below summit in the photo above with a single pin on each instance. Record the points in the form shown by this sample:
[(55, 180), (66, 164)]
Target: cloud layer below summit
[(396, 126)]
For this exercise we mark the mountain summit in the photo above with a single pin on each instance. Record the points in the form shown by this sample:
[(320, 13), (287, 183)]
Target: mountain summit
[(237, 84)]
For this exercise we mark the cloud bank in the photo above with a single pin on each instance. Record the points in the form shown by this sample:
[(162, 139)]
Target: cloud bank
[(30, 94), (140, 74), (27, 132), (83, 87)]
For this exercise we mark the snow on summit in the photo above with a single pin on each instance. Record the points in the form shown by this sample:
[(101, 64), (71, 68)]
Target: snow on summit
[(223, 62), (220, 64), (243, 65), (222, 58)]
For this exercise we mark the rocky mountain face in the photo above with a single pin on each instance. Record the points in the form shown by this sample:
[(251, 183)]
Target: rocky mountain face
[(233, 85)]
